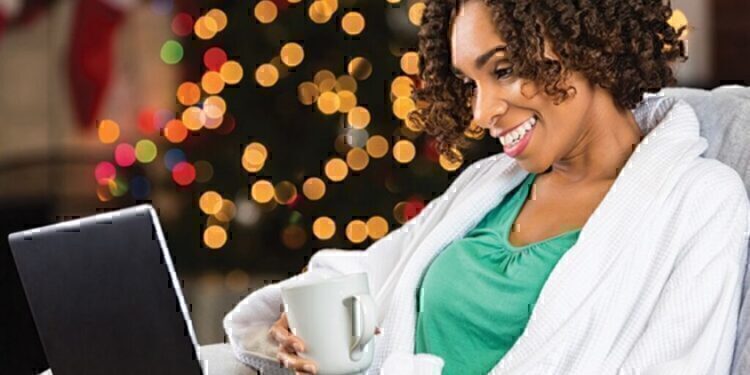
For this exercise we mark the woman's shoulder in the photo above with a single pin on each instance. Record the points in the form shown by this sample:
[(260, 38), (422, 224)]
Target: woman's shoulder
[(710, 179)]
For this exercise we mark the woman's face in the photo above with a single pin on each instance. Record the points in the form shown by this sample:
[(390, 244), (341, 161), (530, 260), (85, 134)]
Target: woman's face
[(502, 100)]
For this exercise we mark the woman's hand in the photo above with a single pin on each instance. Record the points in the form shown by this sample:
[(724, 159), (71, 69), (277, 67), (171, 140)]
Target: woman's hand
[(290, 345)]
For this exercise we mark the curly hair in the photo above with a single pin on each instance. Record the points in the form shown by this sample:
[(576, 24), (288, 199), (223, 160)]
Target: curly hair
[(624, 46)]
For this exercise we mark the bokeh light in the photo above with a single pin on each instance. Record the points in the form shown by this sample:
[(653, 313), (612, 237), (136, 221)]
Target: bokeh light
[(358, 117), (193, 118), (266, 75), (307, 93), (175, 131), (410, 63), (204, 171), (183, 173), (314, 188), (140, 187), (329, 102), (231, 72), (145, 151), (336, 169), (172, 52), (356, 231), (188, 93), (377, 227), (108, 131), (210, 202), (377, 146), (347, 101), (227, 212), (124, 155), (402, 86), (292, 54), (262, 191), (359, 68), (324, 228), (353, 23), (219, 17), (415, 13), (357, 159), (182, 24), (212, 82), (205, 28), (265, 11), (214, 58), (285, 192), (215, 237), (104, 172), (404, 151), (172, 157), (293, 236)]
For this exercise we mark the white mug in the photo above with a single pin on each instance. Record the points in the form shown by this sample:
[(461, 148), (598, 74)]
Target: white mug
[(336, 319)]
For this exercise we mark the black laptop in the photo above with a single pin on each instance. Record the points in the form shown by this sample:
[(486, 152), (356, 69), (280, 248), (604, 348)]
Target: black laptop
[(105, 297)]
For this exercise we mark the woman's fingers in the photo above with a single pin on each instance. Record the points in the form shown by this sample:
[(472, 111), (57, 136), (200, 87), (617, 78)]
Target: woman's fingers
[(296, 363)]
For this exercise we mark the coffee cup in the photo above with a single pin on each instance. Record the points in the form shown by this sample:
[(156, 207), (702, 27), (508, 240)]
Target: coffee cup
[(336, 319)]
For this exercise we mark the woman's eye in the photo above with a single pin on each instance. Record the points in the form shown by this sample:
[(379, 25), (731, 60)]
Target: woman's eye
[(502, 73)]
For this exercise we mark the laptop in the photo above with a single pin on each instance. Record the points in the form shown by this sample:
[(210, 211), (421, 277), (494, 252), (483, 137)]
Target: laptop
[(105, 297)]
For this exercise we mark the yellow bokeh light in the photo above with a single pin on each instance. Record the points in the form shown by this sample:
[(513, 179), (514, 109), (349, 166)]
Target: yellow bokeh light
[(404, 151), (267, 75), (346, 82), (293, 236), (399, 212), (193, 118), (410, 63), (357, 159), (219, 17), (231, 72), (307, 92), (678, 19), (448, 165), (411, 125), (188, 93), (254, 157), (356, 231), (285, 192), (358, 117), (323, 75), (353, 23), (205, 28), (215, 237), (292, 54), (336, 169), (320, 11), (210, 202), (327, 84), (402, 106), (377, 227), (377, 146), (262, 191), (324, 228), (108, 131), (212, 82), (266, 11), (359, 68), (329, 102), (227, 211), (394, 1), (415, 13), (214, 106), (474, 131), (348, 101), (314, 188), (402, 86)]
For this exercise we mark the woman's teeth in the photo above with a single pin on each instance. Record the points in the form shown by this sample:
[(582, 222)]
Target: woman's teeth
[(516, 135)]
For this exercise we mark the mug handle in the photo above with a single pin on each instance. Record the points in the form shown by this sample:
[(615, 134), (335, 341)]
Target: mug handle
[(363, 323)]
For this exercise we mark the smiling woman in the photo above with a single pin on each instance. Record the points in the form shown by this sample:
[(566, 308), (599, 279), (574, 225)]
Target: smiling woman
[(487, 62)]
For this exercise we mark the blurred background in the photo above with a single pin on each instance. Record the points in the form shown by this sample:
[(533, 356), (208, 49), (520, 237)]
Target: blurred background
[(262, 131)]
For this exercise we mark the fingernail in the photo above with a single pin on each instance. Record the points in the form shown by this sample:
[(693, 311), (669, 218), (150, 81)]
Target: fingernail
[(309, 368)]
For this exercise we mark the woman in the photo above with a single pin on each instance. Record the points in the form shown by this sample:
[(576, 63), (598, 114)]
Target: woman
[(604, 187)]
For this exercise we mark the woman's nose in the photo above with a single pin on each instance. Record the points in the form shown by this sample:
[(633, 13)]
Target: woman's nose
[(486, 106)]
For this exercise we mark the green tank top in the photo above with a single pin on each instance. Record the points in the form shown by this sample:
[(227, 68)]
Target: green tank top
[(476, 296)]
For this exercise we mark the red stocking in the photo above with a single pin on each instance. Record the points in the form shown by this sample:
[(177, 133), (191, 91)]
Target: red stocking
[(90, 59)]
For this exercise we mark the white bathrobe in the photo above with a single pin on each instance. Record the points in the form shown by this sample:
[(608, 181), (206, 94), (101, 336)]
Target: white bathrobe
[(652, 285)]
